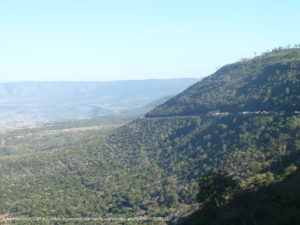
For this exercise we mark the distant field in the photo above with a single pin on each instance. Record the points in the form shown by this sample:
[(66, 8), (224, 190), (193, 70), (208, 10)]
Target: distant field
[(53, 136)]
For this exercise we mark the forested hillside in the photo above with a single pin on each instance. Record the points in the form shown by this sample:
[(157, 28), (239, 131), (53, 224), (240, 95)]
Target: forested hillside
[(273, 203), (151, 166), (268, 82)]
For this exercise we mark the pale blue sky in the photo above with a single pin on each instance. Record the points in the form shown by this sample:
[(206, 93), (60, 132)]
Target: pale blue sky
[(97, 40)]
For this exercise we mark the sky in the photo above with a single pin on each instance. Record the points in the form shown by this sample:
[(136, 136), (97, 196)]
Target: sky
[(101, 40)]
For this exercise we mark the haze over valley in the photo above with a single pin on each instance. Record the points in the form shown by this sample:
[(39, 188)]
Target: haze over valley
[(30, 103)]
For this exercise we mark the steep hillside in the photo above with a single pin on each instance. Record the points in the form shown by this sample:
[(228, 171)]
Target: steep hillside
[(151, 166), (269, 82), (276, 204)]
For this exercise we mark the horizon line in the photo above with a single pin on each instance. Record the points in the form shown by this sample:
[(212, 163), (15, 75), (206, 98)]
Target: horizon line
[(94, 81)]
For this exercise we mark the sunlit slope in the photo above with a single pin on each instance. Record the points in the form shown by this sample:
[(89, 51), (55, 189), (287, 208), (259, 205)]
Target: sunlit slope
[(269, 82)]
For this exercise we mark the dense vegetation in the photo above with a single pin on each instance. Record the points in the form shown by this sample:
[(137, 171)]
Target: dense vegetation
[(276, 204), (151, 166), (268, 82)]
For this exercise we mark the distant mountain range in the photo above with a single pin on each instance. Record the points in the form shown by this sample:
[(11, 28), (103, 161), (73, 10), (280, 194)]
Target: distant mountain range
[(27, 103)]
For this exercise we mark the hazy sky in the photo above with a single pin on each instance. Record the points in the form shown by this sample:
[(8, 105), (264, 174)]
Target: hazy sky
[(137, 39)]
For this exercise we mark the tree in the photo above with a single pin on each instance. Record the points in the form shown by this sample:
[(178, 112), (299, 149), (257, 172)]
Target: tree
[(216, 188)]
